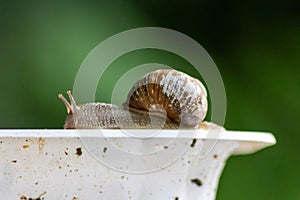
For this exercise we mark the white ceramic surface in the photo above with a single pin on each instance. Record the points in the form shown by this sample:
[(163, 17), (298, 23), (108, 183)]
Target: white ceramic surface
[(111, 164)]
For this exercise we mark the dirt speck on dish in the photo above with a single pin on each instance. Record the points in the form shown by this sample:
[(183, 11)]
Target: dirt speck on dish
[(78, 151), (197, 182), (23, 197), (41, 142), (104, 149), (193, 142)]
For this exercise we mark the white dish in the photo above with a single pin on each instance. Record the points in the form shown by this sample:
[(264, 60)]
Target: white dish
[(119, 164)]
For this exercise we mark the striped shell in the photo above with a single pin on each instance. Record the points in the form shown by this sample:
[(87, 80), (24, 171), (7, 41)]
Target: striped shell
[(181, 97)]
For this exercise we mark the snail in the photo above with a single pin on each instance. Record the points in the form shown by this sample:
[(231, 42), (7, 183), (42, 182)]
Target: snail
[(160, 99)]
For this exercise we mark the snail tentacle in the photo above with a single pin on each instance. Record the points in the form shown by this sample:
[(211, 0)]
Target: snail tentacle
[(65, 101)]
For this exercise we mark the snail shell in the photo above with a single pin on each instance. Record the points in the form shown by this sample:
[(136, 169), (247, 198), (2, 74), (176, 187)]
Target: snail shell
[(183, 98), (160, 99)]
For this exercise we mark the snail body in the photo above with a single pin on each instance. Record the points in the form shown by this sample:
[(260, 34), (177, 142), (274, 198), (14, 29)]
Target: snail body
[(160, 99)]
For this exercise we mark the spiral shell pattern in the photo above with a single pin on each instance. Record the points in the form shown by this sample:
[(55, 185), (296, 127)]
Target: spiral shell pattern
[(181, 97)]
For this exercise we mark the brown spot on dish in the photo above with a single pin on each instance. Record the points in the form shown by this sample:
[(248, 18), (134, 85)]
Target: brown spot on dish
[(215, 156), (25, 146), (38, 198), (176, 198), (166, 147), (41, 142), (193, 142), (196, 181), (14, 161), (79, 151), (23, 197)]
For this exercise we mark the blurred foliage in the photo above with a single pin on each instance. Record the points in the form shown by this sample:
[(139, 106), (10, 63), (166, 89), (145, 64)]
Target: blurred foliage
[(256, 45)]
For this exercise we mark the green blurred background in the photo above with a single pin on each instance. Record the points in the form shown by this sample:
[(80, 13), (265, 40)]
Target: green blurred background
[(255, 44)]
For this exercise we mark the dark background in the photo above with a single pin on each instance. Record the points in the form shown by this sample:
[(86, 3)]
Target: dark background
[(255, 44)]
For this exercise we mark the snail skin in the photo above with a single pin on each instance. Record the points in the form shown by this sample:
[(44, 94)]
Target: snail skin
[(160, 99)]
